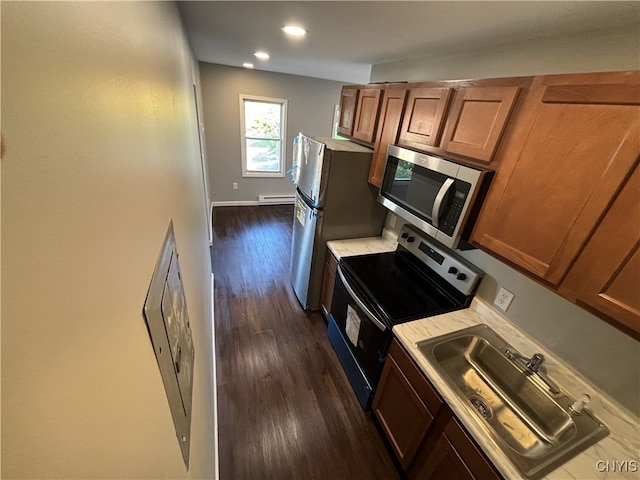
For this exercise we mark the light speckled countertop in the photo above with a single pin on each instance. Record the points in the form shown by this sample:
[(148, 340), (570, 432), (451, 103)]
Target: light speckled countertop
[(621, 445)]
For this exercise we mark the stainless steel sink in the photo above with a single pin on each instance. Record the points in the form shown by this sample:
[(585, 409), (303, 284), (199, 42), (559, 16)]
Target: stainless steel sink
[(534, 427)]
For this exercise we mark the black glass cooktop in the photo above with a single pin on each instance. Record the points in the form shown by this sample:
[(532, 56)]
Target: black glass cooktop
[(395, 287)]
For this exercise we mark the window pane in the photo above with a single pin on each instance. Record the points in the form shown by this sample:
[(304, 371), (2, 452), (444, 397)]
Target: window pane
[(262, 119), (263, 126), (263, 155)]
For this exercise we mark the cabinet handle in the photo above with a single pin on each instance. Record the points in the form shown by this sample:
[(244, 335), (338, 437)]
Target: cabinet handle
[(444, 189)]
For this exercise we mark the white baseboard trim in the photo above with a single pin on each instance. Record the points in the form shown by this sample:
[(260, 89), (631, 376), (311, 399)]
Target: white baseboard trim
[(253, 203), (239, 203), (210, 229), (215, 385)]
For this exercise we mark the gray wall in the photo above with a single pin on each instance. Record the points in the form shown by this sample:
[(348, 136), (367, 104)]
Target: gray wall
[(595, 51), (310, 110), (101, 153), (604, 355)]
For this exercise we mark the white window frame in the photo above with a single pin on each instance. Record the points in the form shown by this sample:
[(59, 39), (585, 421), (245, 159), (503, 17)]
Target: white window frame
[(283, 134)]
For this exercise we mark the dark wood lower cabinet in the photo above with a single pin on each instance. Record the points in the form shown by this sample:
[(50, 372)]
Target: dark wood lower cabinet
[(425, 436), (443, 462), (453, 455), (399, 408), (328, 282)]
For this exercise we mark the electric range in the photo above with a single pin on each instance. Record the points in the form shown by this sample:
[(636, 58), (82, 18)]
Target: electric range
[(374, 292)]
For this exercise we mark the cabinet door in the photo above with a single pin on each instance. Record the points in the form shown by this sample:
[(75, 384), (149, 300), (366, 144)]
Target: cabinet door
[(405, 404), (403, 416), (364, 127), (606, 275), (476, 120), (328, 283), (388, 129), (348, 98), (455, 455), (423, 118), (575, 143), (444, 463)]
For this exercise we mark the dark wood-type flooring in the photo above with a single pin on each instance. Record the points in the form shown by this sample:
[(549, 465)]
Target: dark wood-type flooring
[(285, 407)]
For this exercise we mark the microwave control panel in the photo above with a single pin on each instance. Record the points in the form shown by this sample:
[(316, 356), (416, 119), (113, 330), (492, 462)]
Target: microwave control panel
[(454, 209)]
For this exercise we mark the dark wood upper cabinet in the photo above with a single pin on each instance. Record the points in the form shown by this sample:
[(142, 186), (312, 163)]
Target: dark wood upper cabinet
[(388, 129), (366, 120), (573, 146), (477, 119), (348, 99), (424, 117), (466, 118)]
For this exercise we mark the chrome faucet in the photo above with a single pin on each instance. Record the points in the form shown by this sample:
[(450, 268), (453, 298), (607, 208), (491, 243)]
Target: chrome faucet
[(533, 365), (535, 362)]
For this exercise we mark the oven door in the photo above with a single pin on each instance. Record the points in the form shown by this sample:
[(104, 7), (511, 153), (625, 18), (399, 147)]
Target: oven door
[(360, 339)]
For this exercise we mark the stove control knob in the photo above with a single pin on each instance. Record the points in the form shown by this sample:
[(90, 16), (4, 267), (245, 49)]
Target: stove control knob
[(461, 276), (410, 240), (453, 270), (404, 235)]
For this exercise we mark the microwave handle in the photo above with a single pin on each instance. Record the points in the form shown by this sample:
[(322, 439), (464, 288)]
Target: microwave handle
[(444, 189), (355, 298)]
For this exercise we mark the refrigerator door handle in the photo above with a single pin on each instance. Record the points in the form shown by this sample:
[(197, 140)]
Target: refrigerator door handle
[(309, 202)]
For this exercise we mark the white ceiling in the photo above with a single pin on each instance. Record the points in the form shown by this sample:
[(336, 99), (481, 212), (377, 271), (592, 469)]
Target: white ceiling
[(346, 38)]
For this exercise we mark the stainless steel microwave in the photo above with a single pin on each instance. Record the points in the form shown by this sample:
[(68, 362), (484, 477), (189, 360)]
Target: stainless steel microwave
[(440, 197)]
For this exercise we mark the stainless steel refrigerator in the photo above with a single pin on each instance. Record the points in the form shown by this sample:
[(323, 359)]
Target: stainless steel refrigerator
[(333, 201)]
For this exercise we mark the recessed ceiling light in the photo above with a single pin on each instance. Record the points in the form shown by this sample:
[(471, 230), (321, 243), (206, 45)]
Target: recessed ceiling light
[(294, 30), (261, 55), (247, 65)]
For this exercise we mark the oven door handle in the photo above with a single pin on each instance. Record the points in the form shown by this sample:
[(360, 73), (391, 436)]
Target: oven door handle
[(437, 205), (359, 302)]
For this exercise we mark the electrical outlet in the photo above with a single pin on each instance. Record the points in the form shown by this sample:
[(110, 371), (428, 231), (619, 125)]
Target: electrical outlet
[(503, 299), (235, 185)]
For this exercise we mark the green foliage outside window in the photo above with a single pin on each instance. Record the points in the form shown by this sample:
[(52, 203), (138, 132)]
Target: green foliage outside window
[(262, 134)]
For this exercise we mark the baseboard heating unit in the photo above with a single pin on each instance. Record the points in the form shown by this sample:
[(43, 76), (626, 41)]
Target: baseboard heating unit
[(275, 199)]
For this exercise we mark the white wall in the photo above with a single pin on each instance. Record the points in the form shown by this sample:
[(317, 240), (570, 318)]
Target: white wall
[(101, 153), (604, 355), (310, 110)]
